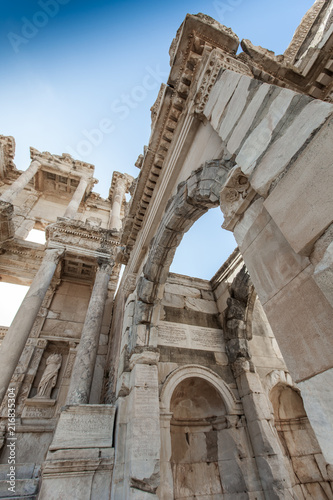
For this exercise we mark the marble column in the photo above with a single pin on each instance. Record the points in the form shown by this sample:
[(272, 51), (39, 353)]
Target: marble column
[(74, 204), (18, 333), (83, 370), (117, 200), (10, 194)]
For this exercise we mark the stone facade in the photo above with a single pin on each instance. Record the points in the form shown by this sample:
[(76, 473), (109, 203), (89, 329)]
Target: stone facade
[(176, 387)]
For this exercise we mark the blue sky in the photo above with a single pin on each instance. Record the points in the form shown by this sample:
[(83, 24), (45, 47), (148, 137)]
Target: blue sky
[(80, 76)]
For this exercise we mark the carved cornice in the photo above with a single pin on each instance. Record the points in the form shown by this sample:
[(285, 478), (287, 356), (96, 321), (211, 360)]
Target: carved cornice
[(64, 160), (21, 259), (26, 249), (155, 110), (197, 36), (7, 145), (82, 238), (217, 60), (302, 32), (311, 74)]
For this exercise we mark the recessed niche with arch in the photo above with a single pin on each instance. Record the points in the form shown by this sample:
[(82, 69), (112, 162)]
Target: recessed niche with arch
[(197, 409), (299, 443)]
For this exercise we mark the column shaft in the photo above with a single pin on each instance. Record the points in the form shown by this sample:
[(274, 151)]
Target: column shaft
[(74, 204), (10, 194), (83, 370), (18, 333), (119, 193)]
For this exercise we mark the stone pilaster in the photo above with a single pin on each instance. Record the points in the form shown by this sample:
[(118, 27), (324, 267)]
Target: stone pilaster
[(141, 468), (274, 476), (74, 204), (10, 194), (83, 370), (165, 489), (267, 451), (18, 333)]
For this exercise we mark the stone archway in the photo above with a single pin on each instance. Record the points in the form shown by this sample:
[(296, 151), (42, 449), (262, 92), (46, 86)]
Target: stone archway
[(272, 261), (281, 143), (194, 197)]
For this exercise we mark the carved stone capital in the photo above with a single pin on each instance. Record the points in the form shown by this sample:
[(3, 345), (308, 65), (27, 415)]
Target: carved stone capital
[(6, 221), (53, 254), (235, 196), (104, 265), (144, 358)]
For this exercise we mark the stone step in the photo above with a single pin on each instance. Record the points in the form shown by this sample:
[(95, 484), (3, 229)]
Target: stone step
[(24, 488)]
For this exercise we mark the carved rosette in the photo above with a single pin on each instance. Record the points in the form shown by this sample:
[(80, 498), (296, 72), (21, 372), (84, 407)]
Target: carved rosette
[(235, 196)]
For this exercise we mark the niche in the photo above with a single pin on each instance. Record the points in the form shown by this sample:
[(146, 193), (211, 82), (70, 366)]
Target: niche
[(52, 365), (299, 444), (197, 412)]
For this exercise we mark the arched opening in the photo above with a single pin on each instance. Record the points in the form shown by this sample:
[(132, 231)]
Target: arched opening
[(205, 243), (300, 445), (197, 410)]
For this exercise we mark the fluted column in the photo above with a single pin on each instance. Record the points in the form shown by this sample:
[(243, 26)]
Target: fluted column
[(83, 370), (74, 204), (118, 196), (18, 333), (10, 194)]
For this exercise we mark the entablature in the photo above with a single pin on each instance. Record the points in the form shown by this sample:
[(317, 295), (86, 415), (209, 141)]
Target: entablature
[(82, 238), (198, 36)]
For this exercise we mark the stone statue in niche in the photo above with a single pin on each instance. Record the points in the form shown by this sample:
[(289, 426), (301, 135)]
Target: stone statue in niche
[(49, 377)]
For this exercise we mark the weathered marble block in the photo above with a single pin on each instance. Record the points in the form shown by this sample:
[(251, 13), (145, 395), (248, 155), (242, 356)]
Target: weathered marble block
[(84, 426)]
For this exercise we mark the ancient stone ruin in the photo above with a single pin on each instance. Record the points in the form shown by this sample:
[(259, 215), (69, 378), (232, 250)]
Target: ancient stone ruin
[(176, 387)]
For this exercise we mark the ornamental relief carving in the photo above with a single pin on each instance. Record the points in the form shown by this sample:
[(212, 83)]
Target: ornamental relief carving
[(217, 60), (235, 197)]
